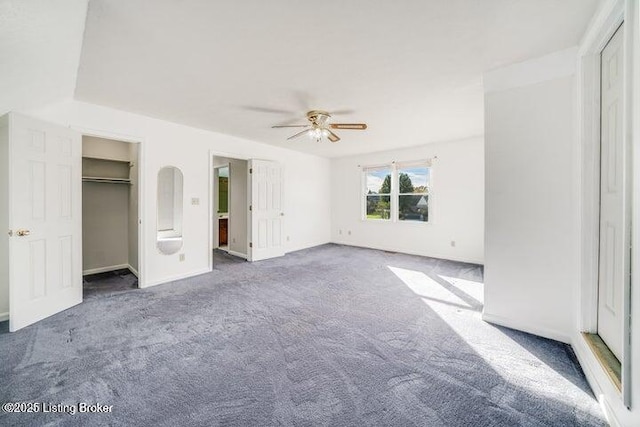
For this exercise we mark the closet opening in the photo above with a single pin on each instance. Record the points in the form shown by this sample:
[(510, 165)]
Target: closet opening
[(110, 215), (230, 206)]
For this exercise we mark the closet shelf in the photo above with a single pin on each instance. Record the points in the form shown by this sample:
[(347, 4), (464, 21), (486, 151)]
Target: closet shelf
[(106, 180), (108, 160)]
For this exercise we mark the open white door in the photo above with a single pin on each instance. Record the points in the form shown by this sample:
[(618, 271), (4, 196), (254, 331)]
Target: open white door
[(45, 218), (613, 249), (266, 210)]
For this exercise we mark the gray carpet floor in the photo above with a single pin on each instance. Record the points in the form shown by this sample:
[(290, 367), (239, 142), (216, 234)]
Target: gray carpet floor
[(329, 336)]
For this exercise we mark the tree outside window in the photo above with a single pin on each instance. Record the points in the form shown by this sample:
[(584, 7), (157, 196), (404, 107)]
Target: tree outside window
[(378, 195), (413, 196)]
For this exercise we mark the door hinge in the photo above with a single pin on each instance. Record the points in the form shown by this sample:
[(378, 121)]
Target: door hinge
[(250, 207), (250, 170), (250, 244)]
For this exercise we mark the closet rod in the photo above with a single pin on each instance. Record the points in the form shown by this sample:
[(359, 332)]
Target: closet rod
[(106, 180)]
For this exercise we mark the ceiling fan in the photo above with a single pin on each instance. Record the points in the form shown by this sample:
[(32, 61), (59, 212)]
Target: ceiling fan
[(318, 127)]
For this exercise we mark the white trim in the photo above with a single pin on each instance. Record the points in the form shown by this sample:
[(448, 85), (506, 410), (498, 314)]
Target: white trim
[(132, 270), (141, 142), (106, 269), (594, 39), (238, 254), (598, 380), (177, 277), (531, 329), (403, 251), (549, 67), (4, 316), (107, 134), (210, 190), (629, 51)]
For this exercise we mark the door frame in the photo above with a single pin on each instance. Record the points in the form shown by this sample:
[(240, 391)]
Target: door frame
[(214, 213), (140, 141), (588, 147), (210, 189)]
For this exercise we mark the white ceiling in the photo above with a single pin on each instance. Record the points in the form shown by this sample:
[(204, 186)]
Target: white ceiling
[(412, 70), (40, 42)]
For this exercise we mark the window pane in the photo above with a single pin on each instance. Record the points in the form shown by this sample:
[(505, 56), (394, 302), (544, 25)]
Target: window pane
[(413, 179), (378, 181), (378, 207), (413, 207)]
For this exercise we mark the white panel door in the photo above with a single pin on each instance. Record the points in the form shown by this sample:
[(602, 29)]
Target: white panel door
[(267, 215), (45, 265), (612, 189)]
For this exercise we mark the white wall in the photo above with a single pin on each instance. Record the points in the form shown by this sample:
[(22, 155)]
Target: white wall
[(164, 143), (531, 252), (457, 209), (40, 43)]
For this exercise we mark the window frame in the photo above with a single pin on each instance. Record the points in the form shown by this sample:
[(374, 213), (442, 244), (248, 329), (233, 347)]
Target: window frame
[(395, 194), (365, 194)]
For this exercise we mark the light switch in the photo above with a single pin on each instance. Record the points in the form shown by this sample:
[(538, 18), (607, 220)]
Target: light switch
[(195, 201)]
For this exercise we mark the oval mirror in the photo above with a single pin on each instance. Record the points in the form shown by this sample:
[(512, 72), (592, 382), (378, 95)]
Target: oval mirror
[(169, 228)]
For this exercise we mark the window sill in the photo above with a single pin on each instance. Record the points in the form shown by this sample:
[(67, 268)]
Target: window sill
[(388, 221)]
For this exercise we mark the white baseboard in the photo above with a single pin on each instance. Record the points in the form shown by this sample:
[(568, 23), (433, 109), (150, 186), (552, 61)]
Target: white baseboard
[(602, 387), (105, 269), (410, 252), (176, 277), (133, 270), (4, 316), (238, 254), (521, 326)]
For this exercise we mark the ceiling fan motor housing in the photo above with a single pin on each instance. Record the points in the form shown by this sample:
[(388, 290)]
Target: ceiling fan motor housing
[(318, 117)]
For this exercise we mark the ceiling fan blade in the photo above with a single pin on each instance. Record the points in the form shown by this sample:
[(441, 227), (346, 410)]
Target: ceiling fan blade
[(332, 136), (266, 109), (350, 126), (298, 134), (340, 112), (290, 126)]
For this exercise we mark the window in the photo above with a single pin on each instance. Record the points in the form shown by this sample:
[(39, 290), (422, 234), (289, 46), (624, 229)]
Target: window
[(398, 192), (378, 193), (413, 193)]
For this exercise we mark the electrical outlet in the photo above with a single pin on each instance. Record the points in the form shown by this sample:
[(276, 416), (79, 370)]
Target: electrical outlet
[(453, 243), (181, 257), (339, 231), (233, 240), (349, 232), (288, 238)]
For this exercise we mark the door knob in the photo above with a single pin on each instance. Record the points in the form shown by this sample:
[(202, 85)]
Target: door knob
[(22, 232)]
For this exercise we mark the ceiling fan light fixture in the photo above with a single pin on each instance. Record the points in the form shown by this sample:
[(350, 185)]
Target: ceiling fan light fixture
[(319, 129), (317, 133)]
